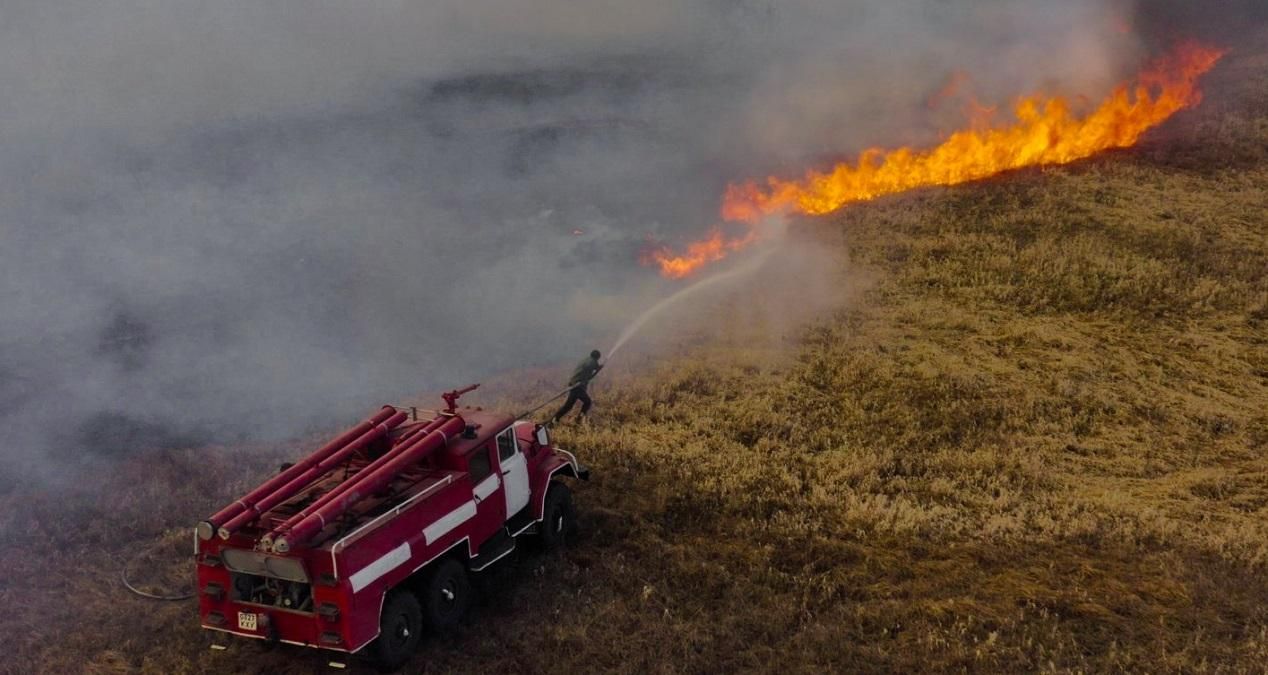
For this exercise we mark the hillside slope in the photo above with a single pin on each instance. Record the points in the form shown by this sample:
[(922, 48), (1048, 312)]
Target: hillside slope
[(1041, 441), (1036, 440)]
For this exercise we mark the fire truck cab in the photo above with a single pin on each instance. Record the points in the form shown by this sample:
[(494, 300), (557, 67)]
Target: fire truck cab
[(369, 541)]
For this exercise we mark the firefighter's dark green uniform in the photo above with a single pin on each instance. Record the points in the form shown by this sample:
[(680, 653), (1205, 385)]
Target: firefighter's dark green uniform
[(585, 371)]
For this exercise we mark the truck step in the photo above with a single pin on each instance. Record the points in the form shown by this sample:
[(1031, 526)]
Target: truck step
[(521, 521), (497, 547)]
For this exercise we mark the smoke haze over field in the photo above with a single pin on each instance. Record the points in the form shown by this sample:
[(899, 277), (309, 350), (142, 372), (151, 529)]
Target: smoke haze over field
[(236, 220)]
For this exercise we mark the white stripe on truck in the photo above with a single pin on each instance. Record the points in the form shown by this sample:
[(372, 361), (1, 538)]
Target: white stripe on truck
[(451, 520), (486, 488), (388, 562)]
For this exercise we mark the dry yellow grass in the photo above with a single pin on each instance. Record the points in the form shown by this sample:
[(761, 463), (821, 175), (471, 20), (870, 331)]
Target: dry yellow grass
[(1038, 441)]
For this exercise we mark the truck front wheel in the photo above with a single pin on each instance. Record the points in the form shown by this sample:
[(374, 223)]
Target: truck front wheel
[(559, 521), (446, 595), (400, 627)]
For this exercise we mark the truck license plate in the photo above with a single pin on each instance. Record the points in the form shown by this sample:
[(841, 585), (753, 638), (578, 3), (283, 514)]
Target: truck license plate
[(247, 620)]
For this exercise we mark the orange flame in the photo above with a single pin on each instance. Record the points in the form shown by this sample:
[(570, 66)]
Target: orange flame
[(1045, 132), (713, 248)]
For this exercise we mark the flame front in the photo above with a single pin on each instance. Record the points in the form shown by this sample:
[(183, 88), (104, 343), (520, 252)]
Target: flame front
[(1046, 131)]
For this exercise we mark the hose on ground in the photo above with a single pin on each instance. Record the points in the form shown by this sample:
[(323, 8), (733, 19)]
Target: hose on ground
[(123, 576)]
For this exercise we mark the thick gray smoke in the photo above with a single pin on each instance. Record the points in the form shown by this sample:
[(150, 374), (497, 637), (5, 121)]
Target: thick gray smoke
[(239, 219)]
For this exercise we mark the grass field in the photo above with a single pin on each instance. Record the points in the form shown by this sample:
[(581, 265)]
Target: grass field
[(1028, 433)]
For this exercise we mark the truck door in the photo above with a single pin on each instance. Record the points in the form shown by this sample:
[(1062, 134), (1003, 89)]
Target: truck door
[(514, 472)]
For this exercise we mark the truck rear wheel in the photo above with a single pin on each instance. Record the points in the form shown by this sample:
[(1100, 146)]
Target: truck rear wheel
[(446, 595), (400, 627), (559, 521)]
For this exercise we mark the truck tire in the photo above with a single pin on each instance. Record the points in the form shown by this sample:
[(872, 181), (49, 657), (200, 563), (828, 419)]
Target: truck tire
[(559, 521), (446, 595), (400, 628)]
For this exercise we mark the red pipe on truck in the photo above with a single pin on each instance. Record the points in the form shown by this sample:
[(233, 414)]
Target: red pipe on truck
[(301, 481), (401, 445), (207, 528), (369, 481), (410, 435)]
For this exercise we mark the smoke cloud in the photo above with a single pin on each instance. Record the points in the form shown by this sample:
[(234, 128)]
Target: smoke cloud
[(236, 220)]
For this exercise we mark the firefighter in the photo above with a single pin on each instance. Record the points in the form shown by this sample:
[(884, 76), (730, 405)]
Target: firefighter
[(586, 370)]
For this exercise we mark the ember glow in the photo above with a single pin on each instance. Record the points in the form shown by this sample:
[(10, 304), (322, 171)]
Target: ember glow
[(1046, 131)]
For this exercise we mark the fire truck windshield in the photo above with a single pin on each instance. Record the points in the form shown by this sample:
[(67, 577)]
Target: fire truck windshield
[(259, 564)]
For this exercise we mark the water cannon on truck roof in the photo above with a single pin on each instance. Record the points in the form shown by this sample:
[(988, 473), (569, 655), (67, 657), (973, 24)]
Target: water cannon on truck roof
[(363, 543)]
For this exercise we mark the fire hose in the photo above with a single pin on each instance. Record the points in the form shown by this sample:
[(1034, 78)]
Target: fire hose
[(123, 576), (543, 404), (556, 397), (652, 311)]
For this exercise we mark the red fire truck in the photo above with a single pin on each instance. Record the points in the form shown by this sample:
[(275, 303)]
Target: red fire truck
[(369, 540)]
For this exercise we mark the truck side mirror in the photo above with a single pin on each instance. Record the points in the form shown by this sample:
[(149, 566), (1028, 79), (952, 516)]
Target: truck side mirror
[(543, 436)]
